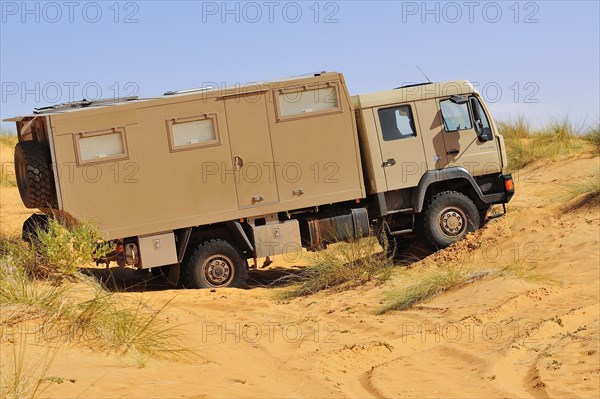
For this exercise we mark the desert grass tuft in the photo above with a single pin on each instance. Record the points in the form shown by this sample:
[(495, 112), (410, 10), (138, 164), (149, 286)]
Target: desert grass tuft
[(525, 145), (86, 314), (584, 193), (40, 284), (133, 329), (524, 271), (592, 136), (429, 286), (517, 137), (342, 265), (20, 378)]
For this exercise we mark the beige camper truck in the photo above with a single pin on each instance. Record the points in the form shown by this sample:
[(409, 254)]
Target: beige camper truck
[(193, 184)]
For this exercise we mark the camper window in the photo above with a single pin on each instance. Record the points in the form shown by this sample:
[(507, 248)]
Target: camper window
[(307, 100), (193, 132), (101, 145)]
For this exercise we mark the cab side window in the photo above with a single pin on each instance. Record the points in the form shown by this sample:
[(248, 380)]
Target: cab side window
[(456, 116), (396, 123)]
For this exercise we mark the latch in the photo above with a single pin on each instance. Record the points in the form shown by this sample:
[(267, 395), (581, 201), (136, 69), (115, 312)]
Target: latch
[(389, 162), (257, 198), (238, 162), (298, 192)]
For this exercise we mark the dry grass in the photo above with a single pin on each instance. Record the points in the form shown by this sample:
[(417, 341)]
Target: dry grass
[(65, 306), (592, 136), (584, 193), (8, 139), (342, 265), (525, 146), (524, 271), (24, 379), (428, 286), (7, 169), (84, 313)]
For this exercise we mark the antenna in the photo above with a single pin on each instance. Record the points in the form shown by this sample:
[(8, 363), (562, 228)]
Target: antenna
[(423, 74)]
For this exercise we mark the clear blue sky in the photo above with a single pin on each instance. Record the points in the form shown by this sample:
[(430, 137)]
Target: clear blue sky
[(537, 59)]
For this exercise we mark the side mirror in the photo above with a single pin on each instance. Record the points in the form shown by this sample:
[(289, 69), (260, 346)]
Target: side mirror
[(483, 133), (486, 135)]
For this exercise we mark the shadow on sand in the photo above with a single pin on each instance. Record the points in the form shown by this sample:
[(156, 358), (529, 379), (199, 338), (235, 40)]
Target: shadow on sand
[(120, 279)]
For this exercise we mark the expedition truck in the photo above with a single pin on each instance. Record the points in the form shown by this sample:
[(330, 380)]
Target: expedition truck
[(195, 183)]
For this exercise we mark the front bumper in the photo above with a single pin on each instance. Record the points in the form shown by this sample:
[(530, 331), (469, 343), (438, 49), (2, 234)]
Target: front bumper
[(503, 192)]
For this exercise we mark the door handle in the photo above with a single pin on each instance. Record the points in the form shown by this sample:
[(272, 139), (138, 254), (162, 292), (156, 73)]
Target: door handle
[(452, 152), (389, 162), (257, 198), (238, 162)]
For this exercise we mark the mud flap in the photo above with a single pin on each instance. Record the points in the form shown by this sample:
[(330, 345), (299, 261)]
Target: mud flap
[(172, 276)]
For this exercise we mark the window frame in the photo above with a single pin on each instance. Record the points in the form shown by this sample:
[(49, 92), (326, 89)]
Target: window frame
[(302, 88), (202, 144), (412, 122), (469, 111), (95, 133)]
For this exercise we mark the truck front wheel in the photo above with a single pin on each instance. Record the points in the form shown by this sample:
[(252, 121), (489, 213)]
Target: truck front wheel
[(450, 215), (215, 264)]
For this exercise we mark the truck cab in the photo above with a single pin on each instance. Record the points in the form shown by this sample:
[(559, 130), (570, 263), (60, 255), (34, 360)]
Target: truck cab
[(420, 141)]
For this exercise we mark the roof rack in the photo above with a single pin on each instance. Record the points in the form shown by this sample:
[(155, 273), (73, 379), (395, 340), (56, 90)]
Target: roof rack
[(413, 85), (82, 104), (170, 93)]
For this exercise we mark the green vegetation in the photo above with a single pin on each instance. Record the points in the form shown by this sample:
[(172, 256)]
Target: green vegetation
[(41, 284), (58, 250), (342, 265)]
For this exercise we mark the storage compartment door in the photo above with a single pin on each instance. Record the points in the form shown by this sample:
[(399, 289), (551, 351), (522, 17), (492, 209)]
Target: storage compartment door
[(251, 150)]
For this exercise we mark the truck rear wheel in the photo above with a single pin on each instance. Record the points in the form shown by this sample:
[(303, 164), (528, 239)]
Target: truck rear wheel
[(34, 177), (450, 215), (215, 264), (32, 226)]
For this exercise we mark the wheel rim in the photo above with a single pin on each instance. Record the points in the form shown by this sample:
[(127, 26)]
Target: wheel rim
[(453, 222), (218, 270)]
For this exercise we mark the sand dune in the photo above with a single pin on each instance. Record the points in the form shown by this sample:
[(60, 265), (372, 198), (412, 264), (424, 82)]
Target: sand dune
[(502, 336)]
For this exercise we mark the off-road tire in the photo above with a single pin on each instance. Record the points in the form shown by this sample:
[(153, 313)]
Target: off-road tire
[(159, 271), (34, 176), (445, 206), (32, 226), (224, 259)]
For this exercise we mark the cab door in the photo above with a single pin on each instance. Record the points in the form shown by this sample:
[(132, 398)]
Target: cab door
[(402, 152), (468, 136), (251, 150)]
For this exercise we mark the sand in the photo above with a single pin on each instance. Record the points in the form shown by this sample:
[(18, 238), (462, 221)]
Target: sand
[(536, 336)]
